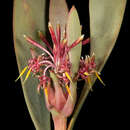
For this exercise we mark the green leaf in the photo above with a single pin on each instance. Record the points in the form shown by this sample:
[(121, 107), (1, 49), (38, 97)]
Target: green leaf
[(58, 13), (105, 22), (29, 17), (73, 33)]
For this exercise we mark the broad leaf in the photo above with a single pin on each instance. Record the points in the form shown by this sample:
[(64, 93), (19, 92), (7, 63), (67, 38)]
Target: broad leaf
[(105, 22), (29, 17), (73, 33)]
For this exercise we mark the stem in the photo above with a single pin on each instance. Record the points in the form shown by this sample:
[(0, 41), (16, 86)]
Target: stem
[(60, 122), (83, 96), (80, 103)]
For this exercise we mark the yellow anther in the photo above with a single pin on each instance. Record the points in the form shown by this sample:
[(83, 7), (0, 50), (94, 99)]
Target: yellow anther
[(68, 90), (46, 92), (89, 82), (67, 75), (22, 72), (28, 73), (97, 75), (86, 73)]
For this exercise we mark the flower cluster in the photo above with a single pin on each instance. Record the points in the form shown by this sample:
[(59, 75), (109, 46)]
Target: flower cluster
[(57, 61)]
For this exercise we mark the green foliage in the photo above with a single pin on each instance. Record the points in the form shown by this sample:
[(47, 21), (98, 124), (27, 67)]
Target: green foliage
[(29, 17), (73, 33), (105, 22)]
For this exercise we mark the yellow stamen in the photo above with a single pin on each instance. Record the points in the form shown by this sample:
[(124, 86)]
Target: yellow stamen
[(68, 90), (96, 73), (89, 82), (22, 72), (46, 92), (28, 73), (86, 73), (67, 75)]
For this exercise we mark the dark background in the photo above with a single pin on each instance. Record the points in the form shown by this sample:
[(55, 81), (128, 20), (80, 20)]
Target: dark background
[(105, 107)]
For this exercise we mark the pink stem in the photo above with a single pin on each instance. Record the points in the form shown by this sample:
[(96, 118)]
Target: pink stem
[(60, 122)]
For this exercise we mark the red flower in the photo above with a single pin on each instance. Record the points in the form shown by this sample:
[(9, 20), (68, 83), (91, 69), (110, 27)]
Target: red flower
[(59, 94)]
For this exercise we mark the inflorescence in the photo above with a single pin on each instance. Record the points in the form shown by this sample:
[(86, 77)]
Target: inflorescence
[(57, 61)]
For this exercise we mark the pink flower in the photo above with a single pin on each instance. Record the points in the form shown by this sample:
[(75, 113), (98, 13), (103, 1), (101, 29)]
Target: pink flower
[(53, 70), (58, 95)]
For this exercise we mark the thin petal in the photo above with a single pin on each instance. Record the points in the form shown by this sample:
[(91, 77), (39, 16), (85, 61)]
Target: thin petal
[(22, 72)]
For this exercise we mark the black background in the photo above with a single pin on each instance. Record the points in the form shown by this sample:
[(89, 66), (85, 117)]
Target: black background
[(105, 107)]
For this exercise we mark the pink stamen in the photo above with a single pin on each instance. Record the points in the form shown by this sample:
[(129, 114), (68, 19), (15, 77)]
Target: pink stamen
[(58, 43), (49, 66), (42, 37), (86, 41), (58, 31), (38, 45), (76, 42), (53, 36), (47, 62)]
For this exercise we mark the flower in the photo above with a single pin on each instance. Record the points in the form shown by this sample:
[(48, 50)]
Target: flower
[(56, 84), (58, 60), (87, 69)]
